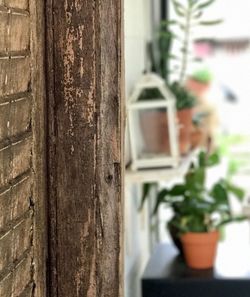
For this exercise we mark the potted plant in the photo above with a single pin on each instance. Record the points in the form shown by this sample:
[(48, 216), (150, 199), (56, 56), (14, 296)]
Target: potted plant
[(199, 212), (189, 15), (184, 104), (153, 121), (199, 82)]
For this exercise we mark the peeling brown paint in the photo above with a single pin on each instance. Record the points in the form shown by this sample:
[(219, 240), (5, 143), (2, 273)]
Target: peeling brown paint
[(78, 5), (84, 148), (93, 279)]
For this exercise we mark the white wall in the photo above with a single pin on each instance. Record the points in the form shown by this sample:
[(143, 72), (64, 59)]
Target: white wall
[(137, 33), (235, 16), (137, 240), (137, 245)]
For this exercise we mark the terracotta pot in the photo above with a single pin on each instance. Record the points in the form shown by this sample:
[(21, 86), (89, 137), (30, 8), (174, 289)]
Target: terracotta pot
[(154, 127), (196, 87), (200, 249), (185, 123)]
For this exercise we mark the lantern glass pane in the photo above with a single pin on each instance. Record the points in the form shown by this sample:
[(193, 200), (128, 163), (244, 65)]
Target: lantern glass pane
[(152, 133)]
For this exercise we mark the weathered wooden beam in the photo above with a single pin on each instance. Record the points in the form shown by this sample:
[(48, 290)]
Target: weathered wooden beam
[(85, 126), (39, 190)]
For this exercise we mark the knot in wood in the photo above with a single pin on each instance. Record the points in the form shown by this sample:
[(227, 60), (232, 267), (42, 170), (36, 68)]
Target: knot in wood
[(109, 178)]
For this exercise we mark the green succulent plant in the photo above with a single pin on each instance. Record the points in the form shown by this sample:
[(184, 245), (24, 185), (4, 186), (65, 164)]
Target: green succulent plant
[(202, 75), (184, 98), (197, 208)]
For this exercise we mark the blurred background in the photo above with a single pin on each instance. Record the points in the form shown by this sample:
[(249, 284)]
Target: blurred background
[(218, 74)]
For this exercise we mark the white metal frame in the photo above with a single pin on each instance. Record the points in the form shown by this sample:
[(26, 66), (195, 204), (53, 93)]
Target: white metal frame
[(149, 81)]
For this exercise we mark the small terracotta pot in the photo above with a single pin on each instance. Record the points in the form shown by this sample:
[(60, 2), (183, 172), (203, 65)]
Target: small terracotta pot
[(154, 127), (200, 249), (196, 87), (185, 125)]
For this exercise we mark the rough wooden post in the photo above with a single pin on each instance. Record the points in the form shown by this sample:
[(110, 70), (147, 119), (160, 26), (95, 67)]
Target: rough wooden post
[(84, 55)]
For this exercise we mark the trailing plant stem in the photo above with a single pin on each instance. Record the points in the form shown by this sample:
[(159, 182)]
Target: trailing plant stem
[(186, 43)]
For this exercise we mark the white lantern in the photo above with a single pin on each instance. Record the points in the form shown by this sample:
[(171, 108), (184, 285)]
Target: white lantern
[(153, 127)]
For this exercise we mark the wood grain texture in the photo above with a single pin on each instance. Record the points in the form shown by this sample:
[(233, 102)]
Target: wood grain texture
[(84, 56), (22, 153), (39, 190), (15, 156)]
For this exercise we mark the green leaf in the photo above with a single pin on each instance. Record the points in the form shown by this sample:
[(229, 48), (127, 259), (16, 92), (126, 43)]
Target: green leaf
[(219, 193), (202, 159), (213, 159), (191, 223), (179, 8), (190, 180), (177, 190), (166, 23), (200, 176), (237, 191), (170, 56), (160, 199), (178, 225), (203, 207), (185, 99), (192, 3), (205, 4), (145, 191), (233, 167), (231, 220), (195, 180), (165, 34), (222, 208), (198, 15), (210, 23)]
